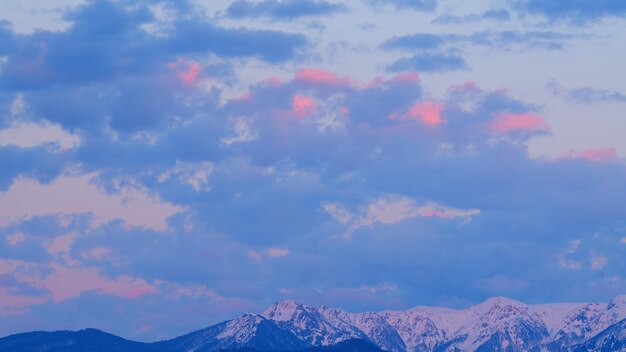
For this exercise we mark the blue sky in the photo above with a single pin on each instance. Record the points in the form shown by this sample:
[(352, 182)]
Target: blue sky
[(166, 165)]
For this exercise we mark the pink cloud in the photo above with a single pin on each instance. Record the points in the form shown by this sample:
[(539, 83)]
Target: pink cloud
[(277, 252), (601, 154), (187, 71), (27, 198), (428, 112), (97, 253), (274, 81), (11, 303), (15, 238), (244, 97), (402, 78), (506, 123), (406, 77), (469, 86), (65, 283), (317, 76), (303, 106)]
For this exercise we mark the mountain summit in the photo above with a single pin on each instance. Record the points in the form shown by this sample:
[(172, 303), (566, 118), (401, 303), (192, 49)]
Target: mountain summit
[(498, 324)]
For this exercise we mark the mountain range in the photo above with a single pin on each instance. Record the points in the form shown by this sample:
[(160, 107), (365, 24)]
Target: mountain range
[(498, 324)]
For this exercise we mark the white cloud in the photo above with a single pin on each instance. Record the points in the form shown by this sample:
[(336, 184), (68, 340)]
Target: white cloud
[(28, 135), (76, 194), (194, 174), (243, 132), (392, 209), (338, 212), (17, 106), (573, 246), (31, 15)]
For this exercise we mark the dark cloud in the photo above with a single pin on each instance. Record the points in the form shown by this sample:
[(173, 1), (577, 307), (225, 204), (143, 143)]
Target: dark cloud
[(282, 9), (503, 40), (106, 41), (429, 63), (272, 46), (420, 41), (574, 10), (7, 38)]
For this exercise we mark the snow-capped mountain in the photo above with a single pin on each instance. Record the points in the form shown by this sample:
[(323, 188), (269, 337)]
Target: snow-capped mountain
[(498, 324)]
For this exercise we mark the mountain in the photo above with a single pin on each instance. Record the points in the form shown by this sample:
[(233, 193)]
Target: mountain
[(88, 340), (249, 331), (496, 325), (610, 339)]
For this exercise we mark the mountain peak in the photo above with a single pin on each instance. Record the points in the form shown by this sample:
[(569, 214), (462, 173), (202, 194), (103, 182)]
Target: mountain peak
[(283, 310), (501, 301), (618, 302)]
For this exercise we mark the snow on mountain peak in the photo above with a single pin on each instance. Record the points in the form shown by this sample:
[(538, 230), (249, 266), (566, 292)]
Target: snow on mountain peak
[(498, 321), (283, 310), (502, 302), (618, 302), (241, 329)]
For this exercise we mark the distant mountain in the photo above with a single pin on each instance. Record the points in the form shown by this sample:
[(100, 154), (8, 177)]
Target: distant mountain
[(88, 340), (496, 325)]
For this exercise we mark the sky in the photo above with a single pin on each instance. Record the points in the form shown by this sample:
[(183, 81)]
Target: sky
[(167, 165)]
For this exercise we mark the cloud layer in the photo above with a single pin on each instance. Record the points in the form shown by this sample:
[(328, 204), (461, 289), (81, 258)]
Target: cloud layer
[(162, 158)]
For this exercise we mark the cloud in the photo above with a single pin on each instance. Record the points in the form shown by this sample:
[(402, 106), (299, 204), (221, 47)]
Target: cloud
[(497, 14), (573, 10), (503, 40), (338, 212), (15, 238), (320, 77), (598, 262), (528, 122), (46, 58), (61, 246), (268, 45), (65, 283), (60, 283), (421, 41), (429, 63), (196, 175), (268, 253), (302, 106), (584, 95), (418, 5), (428, 113), (188, 71), (282, 9), (28, 135), (243, 132), (77, 194), (601, 154), (570, 264), (393, 209)]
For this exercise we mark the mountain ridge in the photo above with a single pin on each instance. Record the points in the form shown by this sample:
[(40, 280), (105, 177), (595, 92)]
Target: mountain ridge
[(497, 324)]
